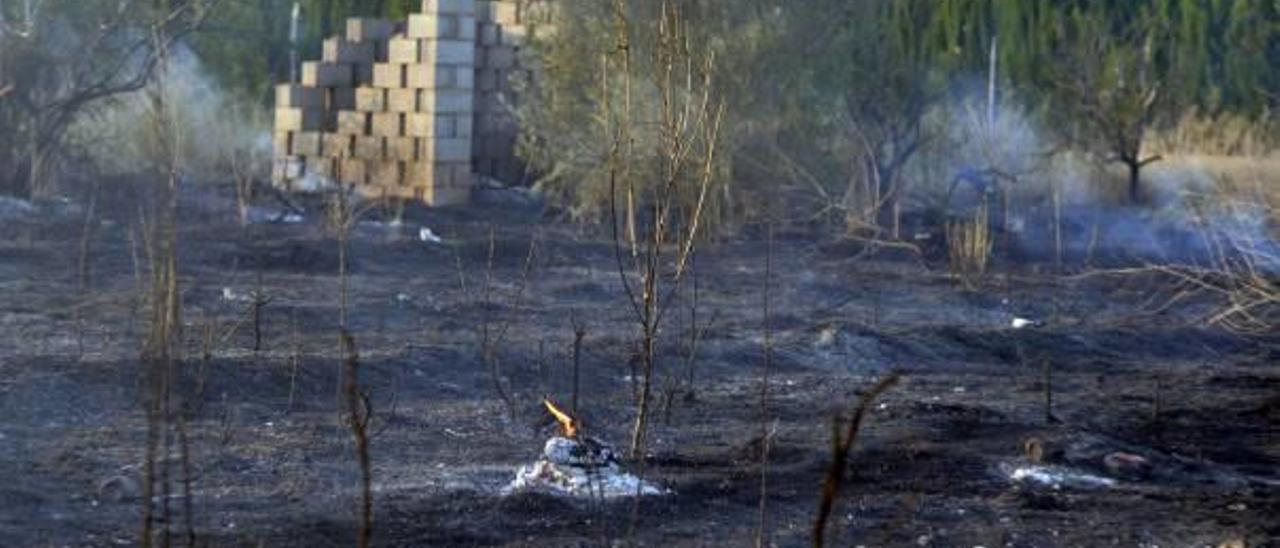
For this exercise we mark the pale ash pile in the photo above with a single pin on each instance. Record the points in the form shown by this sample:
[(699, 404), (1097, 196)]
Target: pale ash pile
[(584, 467)]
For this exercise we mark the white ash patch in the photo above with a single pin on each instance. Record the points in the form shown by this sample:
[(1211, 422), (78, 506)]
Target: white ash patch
[(580, 468)]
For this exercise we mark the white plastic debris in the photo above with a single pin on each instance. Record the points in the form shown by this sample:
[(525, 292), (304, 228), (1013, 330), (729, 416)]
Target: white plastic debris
[(583, 467), (425, 234), (1023, 323), (1058, 477), (230, 295)]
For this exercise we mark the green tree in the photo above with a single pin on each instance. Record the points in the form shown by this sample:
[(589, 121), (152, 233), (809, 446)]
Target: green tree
[(246, 43), (1110, 81), (866, 85)]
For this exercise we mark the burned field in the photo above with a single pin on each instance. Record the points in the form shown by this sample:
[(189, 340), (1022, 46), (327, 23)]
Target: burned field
[(1163, 432)]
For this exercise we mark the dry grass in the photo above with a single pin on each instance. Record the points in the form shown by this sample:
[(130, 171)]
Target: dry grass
[(969, 244), (1220, 135), (1245, 179)]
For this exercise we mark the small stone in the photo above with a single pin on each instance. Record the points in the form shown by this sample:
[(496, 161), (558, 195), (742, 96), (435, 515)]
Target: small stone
[(1127, 465), (1033, 449), (119, 488)]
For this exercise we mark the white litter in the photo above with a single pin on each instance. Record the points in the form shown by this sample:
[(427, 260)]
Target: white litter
[(1023, 323), (230, 295), (425, 234), (1058, 477)]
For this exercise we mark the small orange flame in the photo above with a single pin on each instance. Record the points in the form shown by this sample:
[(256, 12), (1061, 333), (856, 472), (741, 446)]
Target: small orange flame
[(568, 425)]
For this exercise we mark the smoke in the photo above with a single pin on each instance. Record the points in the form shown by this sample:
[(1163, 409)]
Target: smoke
[(1190, 215), (209, 124)]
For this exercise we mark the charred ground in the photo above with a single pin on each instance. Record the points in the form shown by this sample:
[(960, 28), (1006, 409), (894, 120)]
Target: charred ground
[(930, 468)]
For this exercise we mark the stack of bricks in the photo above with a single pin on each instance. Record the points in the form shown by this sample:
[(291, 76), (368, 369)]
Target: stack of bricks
[(389, 109), (503, 69)]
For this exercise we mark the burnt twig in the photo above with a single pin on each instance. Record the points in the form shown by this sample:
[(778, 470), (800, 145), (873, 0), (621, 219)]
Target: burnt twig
[(840, 446)]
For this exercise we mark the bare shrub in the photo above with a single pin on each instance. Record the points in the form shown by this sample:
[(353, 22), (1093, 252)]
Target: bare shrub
[(841, 444), (1242, 272), (359, 413), (569, 142), (167, 417), (58, 60), (344, 210), (493, 334), (687, 127), (243, 151)]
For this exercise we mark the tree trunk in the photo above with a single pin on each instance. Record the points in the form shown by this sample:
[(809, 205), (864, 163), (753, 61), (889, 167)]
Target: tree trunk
[(886, 198), (1135, 185), (34, 166)]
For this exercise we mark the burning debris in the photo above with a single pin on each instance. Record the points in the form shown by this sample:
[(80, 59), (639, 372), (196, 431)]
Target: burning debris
[(578, 466)]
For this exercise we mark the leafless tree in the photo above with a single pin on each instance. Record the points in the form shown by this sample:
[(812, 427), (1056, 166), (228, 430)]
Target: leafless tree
[(167, 417), (344, 211), (245, 161), (359, 413), (880, 127), (689, 121), (58, 57)]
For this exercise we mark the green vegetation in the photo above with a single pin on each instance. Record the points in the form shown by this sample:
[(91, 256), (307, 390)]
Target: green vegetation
[(247, 43), (834, 102), (834, 105)]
